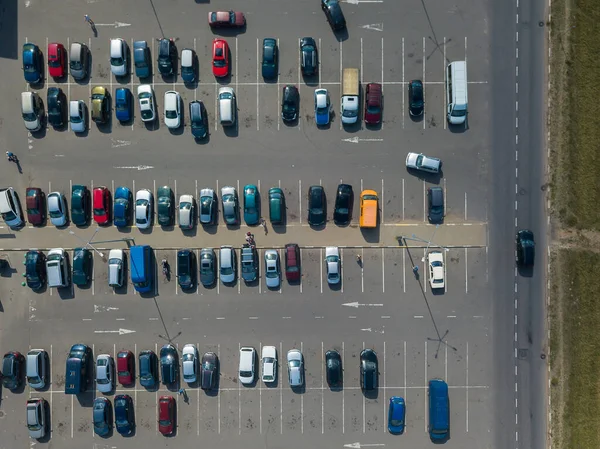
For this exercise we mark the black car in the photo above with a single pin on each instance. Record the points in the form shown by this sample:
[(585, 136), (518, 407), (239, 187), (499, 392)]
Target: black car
[(124, 420), (334, 14), (148, 365), (198, 119), (415, 98), (186, 268), (317, 206), (209, 371), (82, 266), (165, 206), (35, 269), (12, 370), (344, 201), (270, 58), (290, 103), (167, 57), (102, 416), (309, 57), (369, 370), (57, 107), (435, 198), (169, 364), (333, 366), (525, 248), (208, 267)]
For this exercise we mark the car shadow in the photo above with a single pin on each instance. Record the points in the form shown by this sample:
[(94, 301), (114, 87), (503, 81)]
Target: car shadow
[(431, 178)]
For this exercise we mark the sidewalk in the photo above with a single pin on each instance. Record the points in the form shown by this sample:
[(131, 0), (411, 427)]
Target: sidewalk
[(447, 235)]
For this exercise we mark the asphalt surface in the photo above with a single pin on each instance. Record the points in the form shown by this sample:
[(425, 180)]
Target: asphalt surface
[(464, 335)]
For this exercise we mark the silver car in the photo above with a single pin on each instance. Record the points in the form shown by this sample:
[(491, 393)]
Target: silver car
[(144, 207), (36, 417), (231, 209), (333, 264), (189, 363), (272, 271), (208, 206), (78, 116), (57, 209), (295, 368), (105, 373), (187, 212), (418, 161)]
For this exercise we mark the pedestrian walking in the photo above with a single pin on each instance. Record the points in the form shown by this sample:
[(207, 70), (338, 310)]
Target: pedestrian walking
[(263, 223), (89, 20), (11, 156)]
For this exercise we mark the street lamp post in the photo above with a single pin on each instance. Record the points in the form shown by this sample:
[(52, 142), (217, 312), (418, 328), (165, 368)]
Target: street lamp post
[(89, 242)]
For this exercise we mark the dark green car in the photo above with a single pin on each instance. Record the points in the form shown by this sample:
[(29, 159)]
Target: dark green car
[(276, 206), (82, 266), (80, 205), (166, 205)]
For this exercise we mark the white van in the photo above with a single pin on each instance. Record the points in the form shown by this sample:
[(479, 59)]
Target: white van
[(227, 264), (227, 107), (32, 110), (10, 208), (246, 372), (57, 268), (115, 268), (456, 92)]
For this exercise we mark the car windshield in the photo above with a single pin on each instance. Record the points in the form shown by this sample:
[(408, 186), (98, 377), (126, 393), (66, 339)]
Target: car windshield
[(141, 202), (76, 65), (226, 271), (99, 212), (55, 213), (54, 63), (102, 381), (76, 119), (185, 206), (205, 267), (29, 116), (396, 422), (373, 109), (316, 211), (8, 216), (171, 113), (185, 278), (116, 61), (349, 113), (289, 106), (208, 365), (294, 363), (28, 68), (231, 16), (225, 96), (245, 373), (220, 63), (458, 112), (164, 422)]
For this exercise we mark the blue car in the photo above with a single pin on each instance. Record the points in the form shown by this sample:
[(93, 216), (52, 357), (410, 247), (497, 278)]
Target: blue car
[(322, 107), (141, 59), (396, 414), (123, 104), (122, 207), (102, 416), (33, 63), (124, 419), (251, 205)]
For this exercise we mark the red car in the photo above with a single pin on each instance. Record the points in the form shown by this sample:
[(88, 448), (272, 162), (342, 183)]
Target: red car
[(36, 205), (220, 58), (166, 415), (57, 60), (292, 262), (226, 19), (102, 205), (373, 104), (125, 368)]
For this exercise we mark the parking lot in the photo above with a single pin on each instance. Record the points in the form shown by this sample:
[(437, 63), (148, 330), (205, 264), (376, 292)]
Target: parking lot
[(379, 304)]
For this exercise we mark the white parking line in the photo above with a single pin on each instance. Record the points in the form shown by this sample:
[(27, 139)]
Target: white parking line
[(467, 386), (364, 420), (361, 62), (384, 390), (425, 396), (424, 57), (280, 371), (465, 206), (362, 270), (300, 199), (236, 66), (341, 70), (72, 418), (216, 106), (278, 95), (341, 270), (302, 396), (403, 198), (156, 399), (239, 383), (444, 78), (383, 270), (403, 116), (321, 269), (51, 388), (382, 121), (280, 274), (257, 92), (424, 202), (93, 271), (466, 272), (405, 390), (260, 392), (425, 271), (319, 56), (322, 392), (445, 197), (382, 202), (404, 270)]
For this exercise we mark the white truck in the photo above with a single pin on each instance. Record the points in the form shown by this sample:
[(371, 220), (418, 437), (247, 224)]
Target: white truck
[(350, 96)]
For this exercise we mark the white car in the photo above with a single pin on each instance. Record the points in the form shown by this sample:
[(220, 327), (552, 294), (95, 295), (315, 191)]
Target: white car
[(186, 212), (105, 373), (118, 57), (246, 367), (172, 109), (272, 272), (78, 116), (418, 161), (189, 363), (144, 208), (36, 418), (146, 99), (269, 364), (333, 264), (57, 209), (295, 368), (436, 269), (116, 260)]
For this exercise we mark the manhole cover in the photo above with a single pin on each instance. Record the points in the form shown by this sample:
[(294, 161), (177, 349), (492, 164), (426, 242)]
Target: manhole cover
[(523, 353), (2, 414)]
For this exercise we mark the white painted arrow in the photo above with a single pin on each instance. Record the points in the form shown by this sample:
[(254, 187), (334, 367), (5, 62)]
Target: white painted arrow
[(368, 329), (119, 143), (356, 140), (120, 332), (103, 308), (373, 26), (358, 445), (137, 167), (116, 24), (357, 305)]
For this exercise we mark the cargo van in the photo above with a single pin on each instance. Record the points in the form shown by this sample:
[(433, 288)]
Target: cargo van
[(369, 205), (57, 268), (141, 268), (456, 92), (227, 107), (350, 96), (78, 368), (32, 110), (439, 410)]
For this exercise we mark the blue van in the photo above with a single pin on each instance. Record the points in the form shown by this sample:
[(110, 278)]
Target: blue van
[(439, 410), (78, 369), (141, 268)]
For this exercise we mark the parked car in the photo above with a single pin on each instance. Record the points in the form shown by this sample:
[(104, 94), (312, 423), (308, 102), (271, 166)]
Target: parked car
[(269, 364), (126, 367), (276, 206), (229, 19), (123, 104), (100, 104), (57, 107), (292, 262), (35, 269), (35, 202), (78, 116), (144, 208), (33, 63), (141, 59), (333, 264), (270, 58), (272, 269), (322, 107), (146, 100), (169, 364), (124, 416), (369, 370), (227, 264), (290, 103), (37, 410), (186, 269), (418, 161), (208, 207), (116, 268), (208, 267), (102, 416), (118, 57), (165, 206), (166, 415), (13, 370), (189, 65), (220, 58), (82, 266), (209, 371), (122, 207), (333, 367), (344, 203), (334, 14), (57, 209), (57, 60), (148, 365), (309, 57), (167, 57), (246, 365), (416, 103), (32, 111), (79, 57), (373, 104), (251, 205), (317, 205), (102, 205), (189, 363), (396, 415), (295, 362), (37, 368), (10, 208), (437, 271), (81, 204), (187, 211), (105, 373), (172, 107), (198, 120), (249, 261), (231, 208)]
